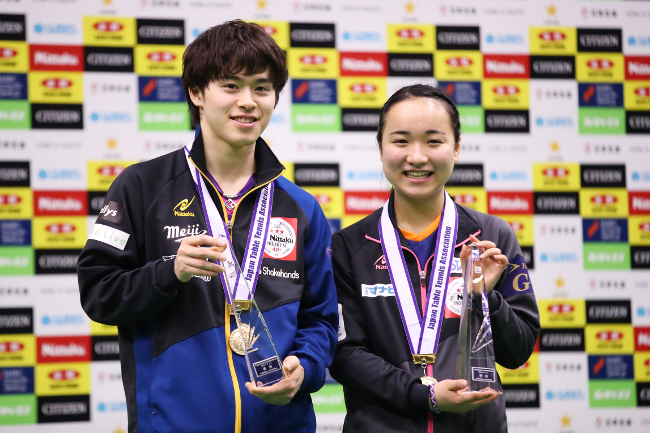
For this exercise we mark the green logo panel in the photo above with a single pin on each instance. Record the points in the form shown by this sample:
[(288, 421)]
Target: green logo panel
[(17, 409), (329, 399), (163, 116), (472, 119), (315, 118), (16, 261), (601, 120), (612, 393), (606, 256), (15, 115)]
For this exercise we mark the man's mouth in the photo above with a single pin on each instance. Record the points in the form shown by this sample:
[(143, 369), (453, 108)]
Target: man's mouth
[(244, 120)]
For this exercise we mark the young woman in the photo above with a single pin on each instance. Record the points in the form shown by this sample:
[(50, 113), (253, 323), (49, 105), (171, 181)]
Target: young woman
[(385, 320)]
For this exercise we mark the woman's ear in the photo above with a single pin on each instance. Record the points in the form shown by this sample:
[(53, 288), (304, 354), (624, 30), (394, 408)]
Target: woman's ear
[(457, 151)]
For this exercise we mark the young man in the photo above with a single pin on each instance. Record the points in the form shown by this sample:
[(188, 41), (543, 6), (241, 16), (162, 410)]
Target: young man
[(146, 267)]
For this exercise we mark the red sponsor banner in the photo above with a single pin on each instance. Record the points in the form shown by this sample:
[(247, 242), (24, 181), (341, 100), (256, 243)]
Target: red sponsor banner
[(56, 58), (364, 202), (637, 68), (639, 202), (364, 64), (502, 66), (63, 349), (642, 339), (54, 203), (510, 203)]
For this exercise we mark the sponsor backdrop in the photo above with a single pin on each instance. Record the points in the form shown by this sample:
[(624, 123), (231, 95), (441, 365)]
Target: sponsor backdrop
[(555, 105)]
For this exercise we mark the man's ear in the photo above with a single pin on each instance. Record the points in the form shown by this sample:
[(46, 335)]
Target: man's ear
[(196, 96)]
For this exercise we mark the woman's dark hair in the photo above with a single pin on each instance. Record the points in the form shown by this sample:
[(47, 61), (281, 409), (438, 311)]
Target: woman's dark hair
[(420, 91), (231, 48)]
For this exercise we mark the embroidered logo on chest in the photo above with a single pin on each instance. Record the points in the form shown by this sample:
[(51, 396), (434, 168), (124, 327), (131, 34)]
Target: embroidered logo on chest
[(281, 240)]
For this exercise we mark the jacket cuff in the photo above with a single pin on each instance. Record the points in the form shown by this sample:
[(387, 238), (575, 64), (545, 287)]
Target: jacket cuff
[(166, 278), (494, 301), (311, 377), (419, 396)]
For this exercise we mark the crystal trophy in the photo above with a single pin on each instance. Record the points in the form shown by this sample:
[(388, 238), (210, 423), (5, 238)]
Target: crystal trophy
[(475, 362), (252, 338)]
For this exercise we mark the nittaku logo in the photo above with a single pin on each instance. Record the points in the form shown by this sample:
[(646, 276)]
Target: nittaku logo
[(361, 65), (177, 233), (55, 59), (59, 205), (380, 263), (54, 350), (182, 206), (499, 67)]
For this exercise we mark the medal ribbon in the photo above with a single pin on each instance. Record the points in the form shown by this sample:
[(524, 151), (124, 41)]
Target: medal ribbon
[(422, 335), (256, 236)]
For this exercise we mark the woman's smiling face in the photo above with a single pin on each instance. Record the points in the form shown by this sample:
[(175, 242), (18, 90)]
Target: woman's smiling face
[(418, 148)]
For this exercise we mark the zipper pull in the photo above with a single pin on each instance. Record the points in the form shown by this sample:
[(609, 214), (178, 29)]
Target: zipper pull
[(229, 225), (423, 277)]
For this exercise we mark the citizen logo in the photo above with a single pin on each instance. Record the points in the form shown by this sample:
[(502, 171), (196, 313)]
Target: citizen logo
[(16, 321), (56, 261), (108, 59), (599, 40), (506, 121), (63, 408), (637, 122), (409, 65), (160, 32), (105, 348), (466, 175), (603, 176), (14, 173), (57, 116), (562, 340), (561, 67), (521, 396), (98, 59), (12, 27), (640, 257), (316, 174), (312, 35), (359, 119), (610, 311), (455, 38), (556, 203)]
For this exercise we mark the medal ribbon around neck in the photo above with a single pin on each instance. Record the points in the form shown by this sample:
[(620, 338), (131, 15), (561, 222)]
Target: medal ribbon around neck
[(423, 335), (255, 244)]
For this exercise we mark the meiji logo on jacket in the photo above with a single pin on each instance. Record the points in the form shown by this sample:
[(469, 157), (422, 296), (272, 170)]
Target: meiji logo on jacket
[(281, 241), (112, 212)]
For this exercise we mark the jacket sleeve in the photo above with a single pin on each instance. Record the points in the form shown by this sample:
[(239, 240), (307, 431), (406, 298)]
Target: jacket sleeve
[(315, 338), (116, 284), (513, 308), (362, 372)]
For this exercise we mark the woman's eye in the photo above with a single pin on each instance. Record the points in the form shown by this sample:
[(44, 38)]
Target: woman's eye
[(230, 86), (263, 89), (400, 141)]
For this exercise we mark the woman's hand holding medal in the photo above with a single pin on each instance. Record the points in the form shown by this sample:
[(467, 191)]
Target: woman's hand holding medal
[(492, 261)]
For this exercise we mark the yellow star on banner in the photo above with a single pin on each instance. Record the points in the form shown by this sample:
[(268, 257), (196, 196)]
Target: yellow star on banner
[(551, 10), (555, 146), (261, 4), (410, 7), (118, 430), (566, 421), (559, 283), (108, 2), (111, 143)]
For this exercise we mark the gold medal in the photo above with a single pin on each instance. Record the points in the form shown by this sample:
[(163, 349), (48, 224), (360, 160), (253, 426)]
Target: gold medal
[(428, 381), (238, 342)]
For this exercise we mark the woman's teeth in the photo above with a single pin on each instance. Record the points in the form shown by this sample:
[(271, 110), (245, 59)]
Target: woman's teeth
[(418, 174), (244, 119)]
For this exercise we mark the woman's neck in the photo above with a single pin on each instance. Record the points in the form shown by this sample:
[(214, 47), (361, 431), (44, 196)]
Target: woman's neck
[(231, 166), (416, 215)]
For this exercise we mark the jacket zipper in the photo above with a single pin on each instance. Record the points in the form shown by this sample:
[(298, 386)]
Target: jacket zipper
[(231, 364)]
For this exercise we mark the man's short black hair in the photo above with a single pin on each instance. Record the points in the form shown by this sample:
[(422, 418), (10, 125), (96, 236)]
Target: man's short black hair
[(231, 48)]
